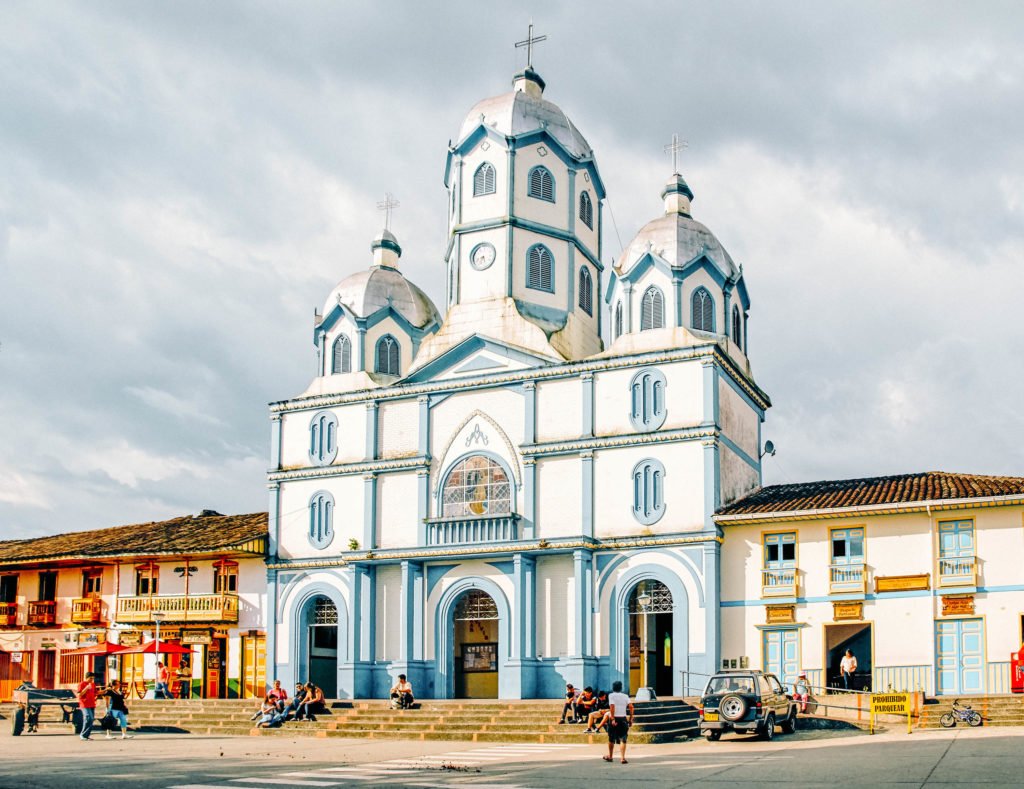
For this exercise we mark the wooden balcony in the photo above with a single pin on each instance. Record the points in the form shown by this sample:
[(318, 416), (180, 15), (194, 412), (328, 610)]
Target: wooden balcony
[(87, 611), (958, 571), (42, 613), (462, 531), (847, 579), (779, 582), (179, 608), (8, 614)]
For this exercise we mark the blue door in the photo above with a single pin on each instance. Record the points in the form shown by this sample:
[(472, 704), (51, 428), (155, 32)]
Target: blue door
[(959, 656), (782, 654)]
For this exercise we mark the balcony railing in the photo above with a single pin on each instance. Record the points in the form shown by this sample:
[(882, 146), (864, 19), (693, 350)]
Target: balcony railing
[(779, 582), (42, 612), (458, 531), (8, 614), (179, 608), (846, 578), (958, 571), (87, 611)]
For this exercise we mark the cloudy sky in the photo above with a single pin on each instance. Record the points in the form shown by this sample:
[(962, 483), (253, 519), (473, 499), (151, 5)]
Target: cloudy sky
[(181, 184)]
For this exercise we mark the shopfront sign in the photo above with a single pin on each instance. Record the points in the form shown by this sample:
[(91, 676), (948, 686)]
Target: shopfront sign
[(193, 637), (47, 644), (848, 609), (17, 657), (958, 605), (902, 583), (91, 639), (780, 614), (130, 638)]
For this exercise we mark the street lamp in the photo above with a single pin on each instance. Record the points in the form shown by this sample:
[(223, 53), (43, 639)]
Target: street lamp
[(644, 601), (158, 617)]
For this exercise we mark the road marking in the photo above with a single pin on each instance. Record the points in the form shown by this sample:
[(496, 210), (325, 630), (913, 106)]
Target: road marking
[(260, 781)]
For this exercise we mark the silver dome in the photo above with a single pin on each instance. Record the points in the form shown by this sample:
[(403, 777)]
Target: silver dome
[(368, 291), (678, 239)]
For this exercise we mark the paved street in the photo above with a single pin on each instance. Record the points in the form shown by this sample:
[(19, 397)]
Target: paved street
[(989, 757)]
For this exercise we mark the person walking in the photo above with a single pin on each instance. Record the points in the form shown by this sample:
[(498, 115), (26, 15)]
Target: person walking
[(86, 693), (116, 708), (848, 667), (161, 690), (620, 718)]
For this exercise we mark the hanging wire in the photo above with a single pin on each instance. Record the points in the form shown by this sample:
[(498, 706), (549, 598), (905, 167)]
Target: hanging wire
[(615, 225)]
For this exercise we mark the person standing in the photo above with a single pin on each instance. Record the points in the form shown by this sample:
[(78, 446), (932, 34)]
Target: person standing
[(620, 718), (162, 677), (116, 708), (848, 667), (86, 694), (184, 676)]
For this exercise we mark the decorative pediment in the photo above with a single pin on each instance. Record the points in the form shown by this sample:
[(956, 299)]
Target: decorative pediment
[(476, 356)]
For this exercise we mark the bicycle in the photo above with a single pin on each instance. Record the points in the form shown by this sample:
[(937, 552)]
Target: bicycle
[(963, 713)]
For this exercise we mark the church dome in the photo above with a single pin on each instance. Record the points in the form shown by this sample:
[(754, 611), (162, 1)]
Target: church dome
[(676, 237), (525, 110)]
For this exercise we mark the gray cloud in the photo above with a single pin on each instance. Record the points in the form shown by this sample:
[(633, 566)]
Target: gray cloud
[(181, 184)]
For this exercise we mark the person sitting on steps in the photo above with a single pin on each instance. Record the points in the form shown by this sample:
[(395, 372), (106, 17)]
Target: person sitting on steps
[(570, 702), (401, 693), (596, 719), (293, 706), (585, 705), (314, 703)]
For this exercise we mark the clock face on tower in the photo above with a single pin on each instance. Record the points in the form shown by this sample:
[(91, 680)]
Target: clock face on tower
[(482, 256)]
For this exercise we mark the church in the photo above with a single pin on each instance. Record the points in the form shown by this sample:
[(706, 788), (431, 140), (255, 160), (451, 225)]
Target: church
[(517, 491)]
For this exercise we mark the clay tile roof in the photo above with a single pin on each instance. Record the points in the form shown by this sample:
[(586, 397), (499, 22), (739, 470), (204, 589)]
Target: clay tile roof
[(929, 486), (205, 533)]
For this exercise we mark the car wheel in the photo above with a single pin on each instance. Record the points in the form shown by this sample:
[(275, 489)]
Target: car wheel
[(789, 724), (768, 730), (18, 722), (713, 735), (733, 707)]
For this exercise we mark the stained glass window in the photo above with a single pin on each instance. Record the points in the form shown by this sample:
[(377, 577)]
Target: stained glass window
[(476, 486)]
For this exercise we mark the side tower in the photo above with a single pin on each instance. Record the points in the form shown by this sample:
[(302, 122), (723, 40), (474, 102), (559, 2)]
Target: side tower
[(524, 224)]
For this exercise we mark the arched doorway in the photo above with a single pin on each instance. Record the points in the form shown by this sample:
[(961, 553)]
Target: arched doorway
[(475, 652), (650, 637), (322, 639)]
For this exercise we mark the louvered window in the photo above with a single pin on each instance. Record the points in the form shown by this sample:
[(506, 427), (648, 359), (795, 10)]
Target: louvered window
[(702, 311), (540, 269), (541, 184), (586, 291), (647, 400), (737, 327), (586, 210), (652, 310), (341, 357), (484, 180), (387, 356), (618, 321), (648, 491), (323, 438), (321, 519)]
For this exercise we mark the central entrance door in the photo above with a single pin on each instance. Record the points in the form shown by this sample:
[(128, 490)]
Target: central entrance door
[(959, 656), (782, 654), (475, 650), (650, 637), (323, 646)]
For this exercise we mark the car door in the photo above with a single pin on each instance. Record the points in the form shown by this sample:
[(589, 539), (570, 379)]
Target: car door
[(779, 701)]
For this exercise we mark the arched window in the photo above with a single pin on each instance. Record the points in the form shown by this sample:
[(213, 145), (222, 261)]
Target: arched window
[(702, 311), (387, 356), (737, 327), (586, 291), (652, 310), (476, 485), (618, 320), (541, 184), (647, 400), (540, 269), (323, 438), (648, 491), (341, 356), (484, 180), (321, 519), (586, 210)]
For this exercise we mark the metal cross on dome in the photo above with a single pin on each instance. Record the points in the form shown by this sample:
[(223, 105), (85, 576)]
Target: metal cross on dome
[(387, 205), (674, 148), (528, 42)]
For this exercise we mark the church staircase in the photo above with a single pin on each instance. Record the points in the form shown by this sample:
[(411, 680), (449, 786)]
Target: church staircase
[(474, 721)]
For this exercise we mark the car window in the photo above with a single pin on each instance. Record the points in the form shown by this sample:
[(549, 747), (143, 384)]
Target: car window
[(775, 684), (730, 685), (766, 689)]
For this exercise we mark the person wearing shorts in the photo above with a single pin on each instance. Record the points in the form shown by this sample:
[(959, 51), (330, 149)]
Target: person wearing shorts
[(620, 718), (116, 708)]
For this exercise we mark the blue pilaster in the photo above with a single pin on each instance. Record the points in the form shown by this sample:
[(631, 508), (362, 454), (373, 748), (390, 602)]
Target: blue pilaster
[(272, 668), (510, 212), (529, 511), (712, 610), (356, 673), (627, 317), (677, 290), (726, 297), (581, 667), (361, 345), (522, 663), (274, 520), (410, 638), (709, 372), (371, 431), (587, 494), (587, 405), (369, 512), (422, 505)]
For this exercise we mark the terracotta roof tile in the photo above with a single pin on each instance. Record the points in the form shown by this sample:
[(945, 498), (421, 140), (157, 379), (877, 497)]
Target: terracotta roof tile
[(899, 488), (207, 532)]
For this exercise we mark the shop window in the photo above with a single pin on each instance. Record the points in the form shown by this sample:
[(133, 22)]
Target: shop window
[(92, 584), (147, 577), (225, 578)]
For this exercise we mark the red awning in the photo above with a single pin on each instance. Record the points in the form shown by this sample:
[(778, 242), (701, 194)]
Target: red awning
[(151, 647), (105, 648)]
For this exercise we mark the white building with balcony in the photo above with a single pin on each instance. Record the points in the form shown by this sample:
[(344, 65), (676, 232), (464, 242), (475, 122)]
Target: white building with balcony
[(501, 502)]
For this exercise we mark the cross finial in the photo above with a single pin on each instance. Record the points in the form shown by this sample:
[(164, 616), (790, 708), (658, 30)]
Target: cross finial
[(387, 205), (674, 148), (528, 42)]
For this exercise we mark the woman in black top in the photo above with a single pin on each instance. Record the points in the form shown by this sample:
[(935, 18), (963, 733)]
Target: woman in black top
[(116, 708)]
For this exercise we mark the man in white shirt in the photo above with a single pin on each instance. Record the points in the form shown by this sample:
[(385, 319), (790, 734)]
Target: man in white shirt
[(847, 666), (620, 718)]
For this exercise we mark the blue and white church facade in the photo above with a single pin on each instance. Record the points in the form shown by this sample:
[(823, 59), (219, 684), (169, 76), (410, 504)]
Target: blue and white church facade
[(520, 494)]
